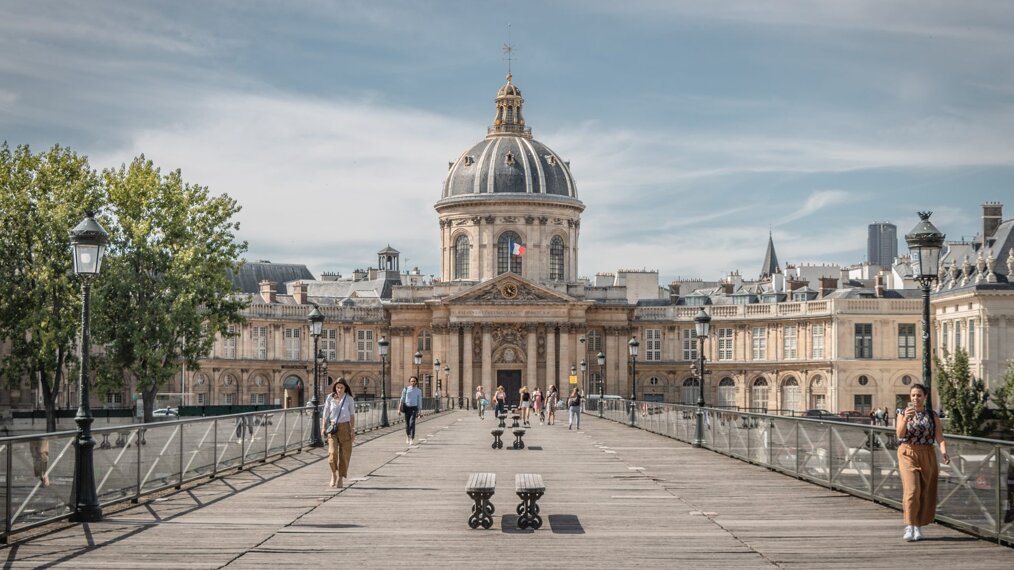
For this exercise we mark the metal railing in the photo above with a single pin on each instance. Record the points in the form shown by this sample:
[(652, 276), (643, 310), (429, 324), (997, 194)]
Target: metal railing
[(975, 492), (37, 471)]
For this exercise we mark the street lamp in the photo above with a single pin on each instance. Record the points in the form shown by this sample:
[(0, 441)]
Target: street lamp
[(584, 377), (925, 242), (316, 321), (447, 377), (88, 241), (418, 362), (703, 325), (383, 344), (633, 345), (436, 395), (601, 358), (573, 374)]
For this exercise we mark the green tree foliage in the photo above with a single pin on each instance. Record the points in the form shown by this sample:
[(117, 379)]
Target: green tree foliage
[(1003, 397), (164, 293), (42, 197), (962, 396)]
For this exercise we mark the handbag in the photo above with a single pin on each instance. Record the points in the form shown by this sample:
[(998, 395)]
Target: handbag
[(401, 404), (330, 427)]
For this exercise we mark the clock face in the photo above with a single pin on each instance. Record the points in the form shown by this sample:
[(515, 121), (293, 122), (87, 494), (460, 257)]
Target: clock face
[(509, 290)]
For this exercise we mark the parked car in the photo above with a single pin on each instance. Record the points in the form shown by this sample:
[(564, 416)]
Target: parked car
[(819, 414), (165, 413)]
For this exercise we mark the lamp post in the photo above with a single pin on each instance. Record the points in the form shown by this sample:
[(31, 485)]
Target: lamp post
[(925, 242), (633, 345), (584, 377), (88, 241), (383, 344), (316, 321), (447, 376), (418, 362), (436, 394), (601, 358), (703, 325), (573, 374)]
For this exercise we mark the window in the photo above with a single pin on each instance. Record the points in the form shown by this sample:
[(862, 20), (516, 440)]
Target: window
[(863, 380), (292, 344), (504, 260), (864, 340), (906, 340), (595, 383), (364, 345), (461, 247), (906, 380), (232, 335), (200, 399), (689, 393), (594, 342), (759, 396), (653, 340), (790, 342), (971, 337), (790, 395), (727, 393), (556, 265), (759, 338), (957, 336), (863, 403), (943, 338), (258, 399), (725, 344), (689, 344), (230, 398), (818, 401), (329, 344), (260, 342), (817, 341), (114, 399), (424, 342)]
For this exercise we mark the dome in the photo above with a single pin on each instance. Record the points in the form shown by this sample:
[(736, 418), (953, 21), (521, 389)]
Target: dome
[(509, 160)]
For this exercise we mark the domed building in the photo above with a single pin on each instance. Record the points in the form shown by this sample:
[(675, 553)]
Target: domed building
[(506, 194)]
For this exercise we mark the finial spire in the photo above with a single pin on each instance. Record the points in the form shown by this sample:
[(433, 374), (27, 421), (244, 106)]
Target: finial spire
[(508, 52)]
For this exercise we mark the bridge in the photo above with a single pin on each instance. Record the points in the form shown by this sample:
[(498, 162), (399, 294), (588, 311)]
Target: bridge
[(616, 497)]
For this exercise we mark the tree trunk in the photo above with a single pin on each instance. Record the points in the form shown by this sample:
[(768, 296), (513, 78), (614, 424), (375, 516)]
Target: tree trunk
[(149, 402), (48, 400)]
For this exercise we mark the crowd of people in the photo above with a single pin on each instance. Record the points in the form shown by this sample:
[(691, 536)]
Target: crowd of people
[(535, 402)]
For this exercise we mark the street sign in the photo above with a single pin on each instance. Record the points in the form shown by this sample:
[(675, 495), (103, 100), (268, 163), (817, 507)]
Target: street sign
[(573, 378)]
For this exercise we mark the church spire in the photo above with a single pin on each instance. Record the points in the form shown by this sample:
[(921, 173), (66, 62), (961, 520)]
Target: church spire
[(509, 119), (770, 266)]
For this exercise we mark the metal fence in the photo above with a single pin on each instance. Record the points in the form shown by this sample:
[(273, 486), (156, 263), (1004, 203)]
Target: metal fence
[(975, 492), (37, 471)]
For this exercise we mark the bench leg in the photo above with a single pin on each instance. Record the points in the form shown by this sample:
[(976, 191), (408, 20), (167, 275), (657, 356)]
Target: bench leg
[(518, 442), (528, 511), (482, 510), (497, 442)]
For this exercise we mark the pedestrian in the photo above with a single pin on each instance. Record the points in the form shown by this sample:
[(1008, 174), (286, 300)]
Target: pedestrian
[(339, 419), (39, 449), (410, 403), (526, 404), (480, 401), (500, 401), (537, 405), (574, 404), (551, 400), (918, 428)]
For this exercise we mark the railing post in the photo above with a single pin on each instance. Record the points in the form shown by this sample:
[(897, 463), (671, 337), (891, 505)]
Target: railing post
[(264, 434), (285, 432), (214, 470), (9, 492), (873, 457), (798, 466), (830, 460), (137, 444), (749, 440), (181, 458), (771, 442), (999, 497), (242, 442)]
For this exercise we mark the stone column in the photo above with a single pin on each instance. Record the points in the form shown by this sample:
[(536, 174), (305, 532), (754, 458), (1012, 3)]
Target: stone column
[(565, 355), (453, 357), (487, 355), (551, 377), (440, 350), (532, 356), (465, 377)]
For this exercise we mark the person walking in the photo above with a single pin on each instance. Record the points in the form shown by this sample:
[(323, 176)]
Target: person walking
[(339, 426), (537, 405), (411, 403), (526, 404), (917, 429), (574, 404), (480, 401), (551, 401), (500, 401)]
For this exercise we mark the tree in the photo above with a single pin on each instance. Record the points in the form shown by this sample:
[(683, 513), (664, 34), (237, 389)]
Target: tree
[(42, 197), (164, 293), (1003, 397), (962, 396)]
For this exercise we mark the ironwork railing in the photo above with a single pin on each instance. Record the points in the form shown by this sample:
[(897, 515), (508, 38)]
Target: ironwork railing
[(975, 492), (37, 471)]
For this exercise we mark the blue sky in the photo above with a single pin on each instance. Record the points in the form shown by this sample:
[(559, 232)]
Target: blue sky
[(693, 128)]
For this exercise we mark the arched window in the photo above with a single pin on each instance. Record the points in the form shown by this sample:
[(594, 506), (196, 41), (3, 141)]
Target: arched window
[(594, 342), (424, 341), (727, 393), (556, 272), (689, 394), (759, 396), (790, 395), (461, 247), (504, 260)]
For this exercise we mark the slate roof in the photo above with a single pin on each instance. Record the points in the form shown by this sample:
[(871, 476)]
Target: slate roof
[(252, 273), (770, 266)]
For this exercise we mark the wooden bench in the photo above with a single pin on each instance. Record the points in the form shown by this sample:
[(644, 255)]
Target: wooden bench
[(497, 433), (518, 434), (530, 488), (515, 418), (480, 488), (502, 418)]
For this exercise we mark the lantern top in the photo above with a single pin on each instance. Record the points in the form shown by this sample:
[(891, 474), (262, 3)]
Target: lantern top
[(924, 234), (89, 232)]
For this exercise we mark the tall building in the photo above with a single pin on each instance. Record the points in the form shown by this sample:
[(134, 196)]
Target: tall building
[(882, 244)]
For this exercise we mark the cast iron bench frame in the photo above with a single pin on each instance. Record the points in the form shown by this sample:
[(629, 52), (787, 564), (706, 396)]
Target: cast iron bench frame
[(530, 488), (480, 488)]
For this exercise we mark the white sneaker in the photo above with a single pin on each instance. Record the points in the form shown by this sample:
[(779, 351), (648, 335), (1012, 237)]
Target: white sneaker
[(909, 534), (916, 533), (408, 441)]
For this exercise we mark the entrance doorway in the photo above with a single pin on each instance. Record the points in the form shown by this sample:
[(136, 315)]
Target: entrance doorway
[(511, 382)]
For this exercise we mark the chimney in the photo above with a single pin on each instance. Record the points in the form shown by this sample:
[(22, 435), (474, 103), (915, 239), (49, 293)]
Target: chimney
[(879, 285), (796, 284), (674, 293), (827, 285), (992, 215), (267, 291), (728, 288), (299, 292)]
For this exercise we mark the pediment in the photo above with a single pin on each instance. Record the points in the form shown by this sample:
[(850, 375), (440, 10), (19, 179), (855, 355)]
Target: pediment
[(509, 289)]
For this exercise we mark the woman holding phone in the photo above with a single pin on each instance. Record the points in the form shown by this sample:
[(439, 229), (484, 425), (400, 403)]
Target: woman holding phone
[(917, 430)]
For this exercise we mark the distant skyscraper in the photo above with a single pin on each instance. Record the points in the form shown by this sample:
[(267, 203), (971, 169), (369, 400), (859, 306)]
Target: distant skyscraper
[(882, 244)]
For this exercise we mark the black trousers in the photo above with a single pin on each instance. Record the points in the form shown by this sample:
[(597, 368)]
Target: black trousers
[(410, 413)]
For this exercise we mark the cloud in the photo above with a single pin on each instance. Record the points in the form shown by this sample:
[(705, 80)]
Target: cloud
[(818, 201)]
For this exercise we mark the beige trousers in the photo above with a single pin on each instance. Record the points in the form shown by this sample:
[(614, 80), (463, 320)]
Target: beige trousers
[(339, 449), (917, 465)]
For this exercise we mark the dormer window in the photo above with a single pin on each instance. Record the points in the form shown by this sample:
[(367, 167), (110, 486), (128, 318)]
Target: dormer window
[(469, 160), (509, 158), (552, 159)]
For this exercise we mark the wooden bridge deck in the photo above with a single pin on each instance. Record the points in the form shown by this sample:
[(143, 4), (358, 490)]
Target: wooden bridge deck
[(616, 498)]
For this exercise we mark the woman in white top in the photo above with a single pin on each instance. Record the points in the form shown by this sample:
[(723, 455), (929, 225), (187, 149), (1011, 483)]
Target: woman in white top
[(339, 413)]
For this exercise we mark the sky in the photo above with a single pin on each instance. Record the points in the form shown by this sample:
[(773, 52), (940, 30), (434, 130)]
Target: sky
[(693, 128)]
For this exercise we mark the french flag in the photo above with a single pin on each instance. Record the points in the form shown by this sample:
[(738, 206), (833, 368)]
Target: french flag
[(516, 248)]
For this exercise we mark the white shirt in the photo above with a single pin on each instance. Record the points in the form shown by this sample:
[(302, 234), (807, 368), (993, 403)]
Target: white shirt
[(339, 414)]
